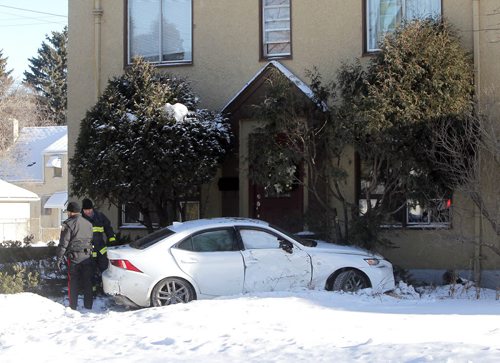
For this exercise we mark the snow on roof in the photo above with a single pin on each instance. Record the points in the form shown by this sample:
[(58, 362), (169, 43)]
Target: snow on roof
[(25, 160), (57, 200), (302, 86), (12, 193), (58, 147)]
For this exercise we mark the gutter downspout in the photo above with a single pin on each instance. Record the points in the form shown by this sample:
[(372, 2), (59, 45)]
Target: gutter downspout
[(97, 12), (476, 22)]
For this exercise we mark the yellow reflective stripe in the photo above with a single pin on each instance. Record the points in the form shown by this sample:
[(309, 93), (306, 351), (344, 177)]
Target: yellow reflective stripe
[(94, 254), (112, 239), (98, 229), (103, 250)]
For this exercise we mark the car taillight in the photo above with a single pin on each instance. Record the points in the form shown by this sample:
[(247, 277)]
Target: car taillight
[(125, 264)]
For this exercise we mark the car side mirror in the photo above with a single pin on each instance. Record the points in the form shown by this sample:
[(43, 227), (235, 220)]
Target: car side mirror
[(286, 246)]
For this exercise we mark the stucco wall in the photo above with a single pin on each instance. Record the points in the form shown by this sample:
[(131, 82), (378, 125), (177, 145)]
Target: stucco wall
[(325, 33)]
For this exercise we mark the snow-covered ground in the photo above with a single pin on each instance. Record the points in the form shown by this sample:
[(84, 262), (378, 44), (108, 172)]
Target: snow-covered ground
[(303, 326)]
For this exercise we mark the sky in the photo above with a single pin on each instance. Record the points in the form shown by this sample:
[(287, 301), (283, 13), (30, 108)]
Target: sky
[(23, 27), (438, 324)]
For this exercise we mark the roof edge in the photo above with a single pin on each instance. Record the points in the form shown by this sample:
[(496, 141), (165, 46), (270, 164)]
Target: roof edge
[(302, 86)]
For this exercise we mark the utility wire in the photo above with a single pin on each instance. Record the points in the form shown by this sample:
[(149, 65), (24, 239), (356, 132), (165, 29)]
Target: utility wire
[(33, 11), (29, 24), (38, 20)]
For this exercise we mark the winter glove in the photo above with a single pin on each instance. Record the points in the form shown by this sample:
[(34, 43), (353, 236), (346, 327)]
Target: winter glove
[(60, 263)]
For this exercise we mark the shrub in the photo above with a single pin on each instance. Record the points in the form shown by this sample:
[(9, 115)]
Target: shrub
[(15, 278)]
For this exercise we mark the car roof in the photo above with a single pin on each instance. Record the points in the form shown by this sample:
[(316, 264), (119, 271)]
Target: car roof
[(215, 222)]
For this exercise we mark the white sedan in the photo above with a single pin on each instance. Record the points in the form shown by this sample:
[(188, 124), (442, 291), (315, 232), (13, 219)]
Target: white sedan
[(226, 256)]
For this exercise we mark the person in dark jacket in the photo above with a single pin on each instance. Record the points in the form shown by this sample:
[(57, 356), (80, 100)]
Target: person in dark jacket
[(103, 236), (75, 248)]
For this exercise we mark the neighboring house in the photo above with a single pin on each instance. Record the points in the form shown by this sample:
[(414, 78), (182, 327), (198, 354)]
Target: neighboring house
[(229, 46), (37, 161), (15, 211)]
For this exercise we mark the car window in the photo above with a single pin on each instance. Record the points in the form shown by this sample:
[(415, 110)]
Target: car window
[(303, 241), (256, 239), (211, 241), (151, 239)]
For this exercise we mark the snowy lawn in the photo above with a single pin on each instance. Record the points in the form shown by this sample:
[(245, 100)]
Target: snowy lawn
[(303, 326)]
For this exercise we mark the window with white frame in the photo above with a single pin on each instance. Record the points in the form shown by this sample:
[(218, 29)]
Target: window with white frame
[(435, 213), (383, 16), (276, 29), (160, 31), (132, 216), (398, 211)]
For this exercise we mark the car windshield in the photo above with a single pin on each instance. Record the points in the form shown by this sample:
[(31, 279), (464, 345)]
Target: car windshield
[(151, 239)]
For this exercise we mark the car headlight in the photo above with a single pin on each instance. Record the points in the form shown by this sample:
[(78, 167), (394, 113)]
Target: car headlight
[(372, 261)]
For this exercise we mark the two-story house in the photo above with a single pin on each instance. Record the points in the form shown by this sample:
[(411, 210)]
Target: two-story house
[(226, 47), (37, 162)]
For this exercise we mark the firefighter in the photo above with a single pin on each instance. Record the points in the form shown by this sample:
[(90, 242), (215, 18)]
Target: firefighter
[(103, 235), (75, 248)]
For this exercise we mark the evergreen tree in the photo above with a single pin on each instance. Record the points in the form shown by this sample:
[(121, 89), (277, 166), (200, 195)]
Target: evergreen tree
[(386, 111), (3, 66), (131, 148), (47, 75)]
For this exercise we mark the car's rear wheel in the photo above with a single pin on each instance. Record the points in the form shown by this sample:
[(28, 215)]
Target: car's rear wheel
[(172, 290), (350, 281)]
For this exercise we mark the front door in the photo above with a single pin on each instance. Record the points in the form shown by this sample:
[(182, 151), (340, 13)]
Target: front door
[(281, 209)]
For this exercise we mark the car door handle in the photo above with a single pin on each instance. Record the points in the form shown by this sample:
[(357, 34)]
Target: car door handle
[(251, 262)]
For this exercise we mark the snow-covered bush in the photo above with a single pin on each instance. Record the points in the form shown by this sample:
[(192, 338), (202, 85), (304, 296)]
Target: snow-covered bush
[(146, 143)]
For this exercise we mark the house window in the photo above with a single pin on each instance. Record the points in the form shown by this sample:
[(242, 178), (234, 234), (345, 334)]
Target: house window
[(160, 31), (383, 16), (57, 172), (397, 211), (437, 212), (276, 29), (132, 217), (45, 211)]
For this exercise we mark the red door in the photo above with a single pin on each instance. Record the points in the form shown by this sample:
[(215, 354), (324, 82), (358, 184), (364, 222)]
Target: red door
[(284, 210)]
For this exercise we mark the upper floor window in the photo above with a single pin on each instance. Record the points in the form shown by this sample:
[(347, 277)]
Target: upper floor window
[(160, 31), (384, 16), (276, 29)]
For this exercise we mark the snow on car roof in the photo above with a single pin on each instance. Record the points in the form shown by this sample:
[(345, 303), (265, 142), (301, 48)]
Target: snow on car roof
[(214, 222)]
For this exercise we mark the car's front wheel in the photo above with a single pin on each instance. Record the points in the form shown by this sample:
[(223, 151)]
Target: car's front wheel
[(350, 281), (172, 290)]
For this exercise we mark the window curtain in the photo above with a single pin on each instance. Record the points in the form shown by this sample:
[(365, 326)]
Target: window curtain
[(420, 9), (385, 15)]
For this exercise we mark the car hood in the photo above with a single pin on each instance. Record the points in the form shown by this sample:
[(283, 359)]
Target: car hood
[(334, 248)]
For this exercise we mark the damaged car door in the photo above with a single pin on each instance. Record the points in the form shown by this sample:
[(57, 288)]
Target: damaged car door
[(273, 263)]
